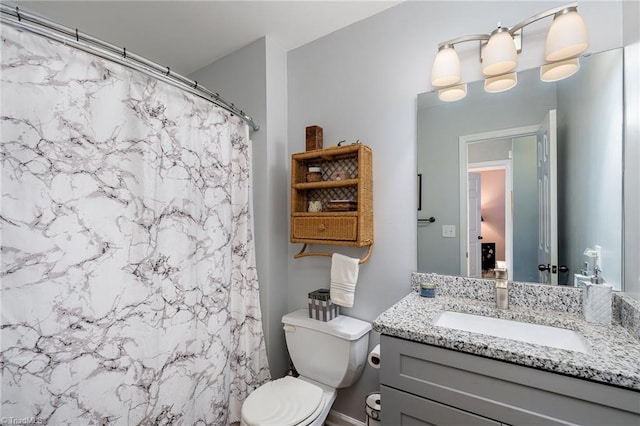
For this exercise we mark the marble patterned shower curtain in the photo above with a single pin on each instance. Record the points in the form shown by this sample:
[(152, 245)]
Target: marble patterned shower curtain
[(129, 289)]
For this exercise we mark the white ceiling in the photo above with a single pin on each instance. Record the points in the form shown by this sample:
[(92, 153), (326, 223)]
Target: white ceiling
[(187, 35)]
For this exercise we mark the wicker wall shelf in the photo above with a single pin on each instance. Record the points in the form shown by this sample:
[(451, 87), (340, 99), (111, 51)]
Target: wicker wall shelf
[(352, 228)]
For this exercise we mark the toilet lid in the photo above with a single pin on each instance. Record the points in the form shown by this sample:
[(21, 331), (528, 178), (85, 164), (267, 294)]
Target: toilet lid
[(283, 402)]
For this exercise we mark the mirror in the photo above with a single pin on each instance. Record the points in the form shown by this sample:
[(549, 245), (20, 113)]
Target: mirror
[(495, 136)]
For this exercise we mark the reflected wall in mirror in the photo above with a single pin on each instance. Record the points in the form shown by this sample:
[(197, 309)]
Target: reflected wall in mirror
[(495, 136)]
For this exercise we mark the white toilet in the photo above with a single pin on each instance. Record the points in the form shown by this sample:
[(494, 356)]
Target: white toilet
[(328, 356)]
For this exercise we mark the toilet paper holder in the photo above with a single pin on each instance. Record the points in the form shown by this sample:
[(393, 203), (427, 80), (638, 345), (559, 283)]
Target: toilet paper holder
[(374, 357), (372, 408)]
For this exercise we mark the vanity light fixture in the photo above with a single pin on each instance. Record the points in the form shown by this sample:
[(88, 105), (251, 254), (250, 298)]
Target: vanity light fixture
[(446, 67), (500, 83), (453, 93), (499, 55), (558, 70), (567, 38)]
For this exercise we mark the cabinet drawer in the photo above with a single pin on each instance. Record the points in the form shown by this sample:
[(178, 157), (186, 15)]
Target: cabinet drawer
[(325, 228), (403, 409)]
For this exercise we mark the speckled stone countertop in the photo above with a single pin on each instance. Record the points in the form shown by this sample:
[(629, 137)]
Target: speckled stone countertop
[(615, 352)]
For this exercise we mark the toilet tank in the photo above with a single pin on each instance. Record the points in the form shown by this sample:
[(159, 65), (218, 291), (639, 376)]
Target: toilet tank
[(333, 353)]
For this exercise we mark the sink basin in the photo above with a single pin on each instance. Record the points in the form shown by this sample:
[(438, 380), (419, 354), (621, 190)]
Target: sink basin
[(521, 331)]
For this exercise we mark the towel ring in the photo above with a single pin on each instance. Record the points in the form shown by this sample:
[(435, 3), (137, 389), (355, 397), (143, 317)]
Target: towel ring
[(302, 253)]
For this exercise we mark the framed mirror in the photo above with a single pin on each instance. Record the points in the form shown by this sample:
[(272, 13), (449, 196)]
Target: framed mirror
[(495, 144)]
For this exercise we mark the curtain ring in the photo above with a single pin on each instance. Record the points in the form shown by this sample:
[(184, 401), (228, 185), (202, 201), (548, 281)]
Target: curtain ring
[(77, 37), (196, 85), (18, 14), (168, 70), (124, 52)]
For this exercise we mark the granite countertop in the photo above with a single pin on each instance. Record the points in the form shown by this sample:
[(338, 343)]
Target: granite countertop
[(614, 357)]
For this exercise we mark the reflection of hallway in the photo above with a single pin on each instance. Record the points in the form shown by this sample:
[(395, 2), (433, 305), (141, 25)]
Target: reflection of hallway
[(493, 210), (517, 238), (487, 215)]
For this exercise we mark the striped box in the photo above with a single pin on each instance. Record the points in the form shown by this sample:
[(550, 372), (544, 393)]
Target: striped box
[(320, 306)]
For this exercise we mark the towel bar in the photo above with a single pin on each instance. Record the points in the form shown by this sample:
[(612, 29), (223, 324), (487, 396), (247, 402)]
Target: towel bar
[(302, 253), (430, 220)]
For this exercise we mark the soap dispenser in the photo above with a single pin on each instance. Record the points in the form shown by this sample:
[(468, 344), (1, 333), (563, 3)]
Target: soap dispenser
[(596, 299), (586, 272)]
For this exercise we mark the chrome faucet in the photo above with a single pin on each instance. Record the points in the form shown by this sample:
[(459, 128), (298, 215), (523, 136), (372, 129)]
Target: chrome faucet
[(502, 289), (596, 278)]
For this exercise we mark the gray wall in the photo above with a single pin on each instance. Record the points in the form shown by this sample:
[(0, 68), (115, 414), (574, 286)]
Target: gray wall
[(361, 83), (590, 155), (255, 78)]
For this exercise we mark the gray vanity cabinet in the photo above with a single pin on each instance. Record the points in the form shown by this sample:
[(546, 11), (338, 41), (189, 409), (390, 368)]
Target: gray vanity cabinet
[(427, 385)]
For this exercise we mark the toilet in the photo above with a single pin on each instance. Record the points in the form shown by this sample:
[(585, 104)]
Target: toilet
[(328, 355)]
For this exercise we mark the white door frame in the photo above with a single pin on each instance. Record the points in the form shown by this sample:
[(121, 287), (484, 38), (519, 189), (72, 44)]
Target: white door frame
[(548, 240), (463, 142), (474, 258)]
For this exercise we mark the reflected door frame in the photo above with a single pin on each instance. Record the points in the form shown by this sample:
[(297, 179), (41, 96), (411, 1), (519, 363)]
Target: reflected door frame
[(463, 142), (474, 263)]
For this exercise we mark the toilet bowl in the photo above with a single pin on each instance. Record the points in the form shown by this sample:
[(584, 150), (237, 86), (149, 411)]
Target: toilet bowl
[(288, 401), (328, 355)]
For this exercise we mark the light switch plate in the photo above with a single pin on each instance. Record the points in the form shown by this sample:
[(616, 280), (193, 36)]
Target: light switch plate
[(448, 231)]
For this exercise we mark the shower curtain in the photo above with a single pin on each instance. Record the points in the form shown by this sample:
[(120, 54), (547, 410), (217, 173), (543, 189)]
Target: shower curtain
[(129, 288)]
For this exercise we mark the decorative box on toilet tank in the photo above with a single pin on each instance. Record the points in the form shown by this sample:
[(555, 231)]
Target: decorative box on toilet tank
[(321, 307)]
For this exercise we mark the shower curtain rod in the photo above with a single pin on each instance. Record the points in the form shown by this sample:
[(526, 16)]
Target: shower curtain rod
[(12, 15)]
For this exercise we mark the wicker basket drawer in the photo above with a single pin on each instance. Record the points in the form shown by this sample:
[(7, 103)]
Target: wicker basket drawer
[(325, 228)]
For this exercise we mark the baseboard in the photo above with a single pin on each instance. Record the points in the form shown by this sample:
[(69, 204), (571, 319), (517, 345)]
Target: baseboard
[(338, 419)]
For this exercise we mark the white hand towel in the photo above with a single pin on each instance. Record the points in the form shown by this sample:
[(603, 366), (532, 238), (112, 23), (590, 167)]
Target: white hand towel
[(344, 277)]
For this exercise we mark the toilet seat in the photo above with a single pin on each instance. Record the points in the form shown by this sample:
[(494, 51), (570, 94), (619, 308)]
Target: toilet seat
[(284, 402)]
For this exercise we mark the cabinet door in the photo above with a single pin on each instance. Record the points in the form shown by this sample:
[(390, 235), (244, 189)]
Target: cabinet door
[(401, 408)]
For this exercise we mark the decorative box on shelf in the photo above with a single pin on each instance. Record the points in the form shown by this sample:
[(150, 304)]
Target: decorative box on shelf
[(314, 138), (340, 175), (314, 174), (321, 307), (342, 205)]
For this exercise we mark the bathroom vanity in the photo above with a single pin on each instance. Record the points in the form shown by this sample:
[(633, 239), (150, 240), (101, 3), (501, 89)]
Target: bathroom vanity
[(433, 374)]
